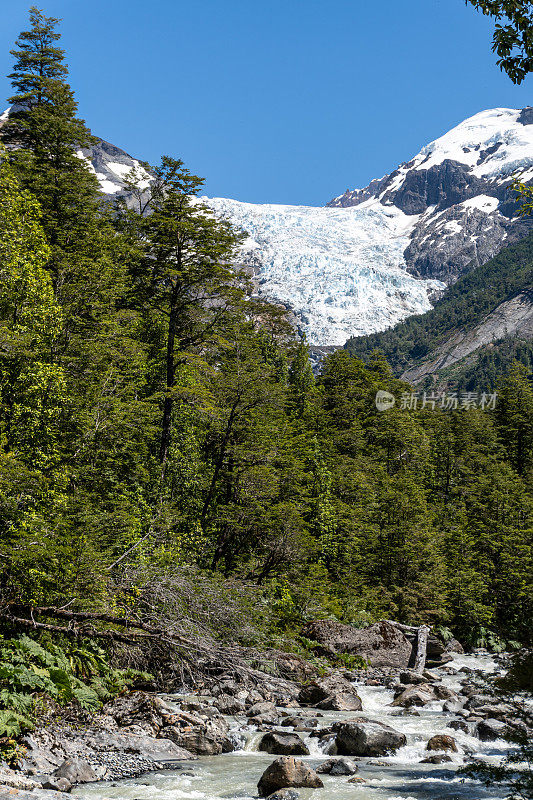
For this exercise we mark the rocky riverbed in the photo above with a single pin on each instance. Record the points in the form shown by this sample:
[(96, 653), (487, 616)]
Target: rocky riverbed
[(385, 733)]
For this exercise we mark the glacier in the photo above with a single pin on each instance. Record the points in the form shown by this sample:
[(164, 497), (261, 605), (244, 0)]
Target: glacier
[(341, 271)]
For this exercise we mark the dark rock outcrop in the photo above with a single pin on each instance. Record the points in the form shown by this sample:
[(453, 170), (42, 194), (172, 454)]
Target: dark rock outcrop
[(283, 744)]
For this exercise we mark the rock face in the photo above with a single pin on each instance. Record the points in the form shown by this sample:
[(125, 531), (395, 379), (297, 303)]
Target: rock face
[(382, 644), (368, 739), (459, 184), (283, 744), (287, 772)]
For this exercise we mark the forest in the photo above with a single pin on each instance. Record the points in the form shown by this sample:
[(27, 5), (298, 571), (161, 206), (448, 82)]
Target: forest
[(167, 453)]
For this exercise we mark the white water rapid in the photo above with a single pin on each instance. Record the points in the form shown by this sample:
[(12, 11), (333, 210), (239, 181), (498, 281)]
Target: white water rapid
[(397, 777)]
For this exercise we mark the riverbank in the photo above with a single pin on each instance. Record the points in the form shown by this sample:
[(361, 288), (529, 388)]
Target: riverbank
[(211, 744)]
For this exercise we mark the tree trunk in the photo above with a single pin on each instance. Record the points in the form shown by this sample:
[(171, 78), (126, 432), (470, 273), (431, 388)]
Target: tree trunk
[(421, 648), (166, 426)]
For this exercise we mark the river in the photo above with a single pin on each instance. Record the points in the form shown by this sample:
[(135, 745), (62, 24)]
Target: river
[(397, 777)]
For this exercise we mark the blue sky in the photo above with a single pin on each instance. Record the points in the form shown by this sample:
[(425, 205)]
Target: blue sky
[(281, 101)]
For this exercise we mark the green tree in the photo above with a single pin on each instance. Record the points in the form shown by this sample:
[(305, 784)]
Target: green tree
[(513, 34), (185, 273)]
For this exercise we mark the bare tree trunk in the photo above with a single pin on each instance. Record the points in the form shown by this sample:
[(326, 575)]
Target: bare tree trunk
[(421, 648)]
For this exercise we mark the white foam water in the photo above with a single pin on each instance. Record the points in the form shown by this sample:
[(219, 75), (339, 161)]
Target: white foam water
[(397, 777)]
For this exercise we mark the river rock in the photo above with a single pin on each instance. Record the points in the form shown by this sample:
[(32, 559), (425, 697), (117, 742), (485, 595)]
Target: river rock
[(228, 704), (10, 793), (137, 708), (488, 730), (453, 646), (341, 701), (324, 688), (283, 744), (476, 701), (442, 742), (57, 784), (287, 772), (284, 794), (459, 725), (337, 766), (15, 780), (368, 739), (415, 696), (453, 706), (262, 709), (208, 740), (382, 644), (76, 770), (440, 759)]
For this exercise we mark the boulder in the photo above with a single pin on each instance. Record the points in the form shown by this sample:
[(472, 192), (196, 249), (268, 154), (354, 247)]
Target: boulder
[(442, 742), (287, 772), (137, 708), (368, 739), (57, 784), (411, 678), (283, 744), (415, 696), (453, 646), (204, 741), (262, 709), (284, 794), (476, 701), (440, 759), (459, 725), (341, 701), (164, 748), (228, 704), (337, 766), (76, 770), (324, 688), (382, 644), (15, 780), (488, 730)]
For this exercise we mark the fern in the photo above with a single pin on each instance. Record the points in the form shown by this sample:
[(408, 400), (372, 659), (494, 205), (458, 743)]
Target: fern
[(13, 724)]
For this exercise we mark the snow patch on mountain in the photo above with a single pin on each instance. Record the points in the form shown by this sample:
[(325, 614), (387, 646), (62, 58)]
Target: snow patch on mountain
[(493, 143), (341, 271)]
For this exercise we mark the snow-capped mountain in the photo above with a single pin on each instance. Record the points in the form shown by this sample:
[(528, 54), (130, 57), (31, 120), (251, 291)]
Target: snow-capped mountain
[(374, 256), (456, 193)]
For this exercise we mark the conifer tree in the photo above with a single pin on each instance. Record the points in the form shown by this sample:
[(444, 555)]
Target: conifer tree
[(184, 274)]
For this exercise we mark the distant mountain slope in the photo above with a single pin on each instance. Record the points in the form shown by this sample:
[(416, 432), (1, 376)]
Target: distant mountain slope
[(378, 255), (493, 303)]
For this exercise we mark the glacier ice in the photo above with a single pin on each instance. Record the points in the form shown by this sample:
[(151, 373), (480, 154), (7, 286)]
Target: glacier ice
[(341, 271)]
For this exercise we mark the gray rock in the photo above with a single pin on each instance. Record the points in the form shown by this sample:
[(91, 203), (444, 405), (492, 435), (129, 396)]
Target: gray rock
[(227, 704), (341, 701), (287, 772), (57, 784), (283, 744), (337, 766), (382, 644), (416, 696), (368, 739), (76, 770), (262, 709), (488, 730), (284, 794), (440, 759)]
